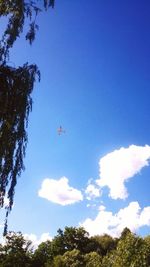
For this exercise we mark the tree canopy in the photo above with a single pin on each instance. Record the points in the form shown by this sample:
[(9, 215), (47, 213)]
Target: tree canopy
[(130, 250), (16, 85)]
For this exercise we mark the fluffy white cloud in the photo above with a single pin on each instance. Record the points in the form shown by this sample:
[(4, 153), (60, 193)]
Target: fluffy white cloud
[(119, 166), (102, 207), (131, 216), (92, 191), (59, 191)]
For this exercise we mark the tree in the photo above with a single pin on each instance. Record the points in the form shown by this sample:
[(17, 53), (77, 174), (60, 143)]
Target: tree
[(104, 243), (147, 244), (16, 85), (73, 258), (126, 231), (42, 254), (57, 262), (76, 238), (18, 11), (131, 251), (69, 239), (109, 259), (58, 244), (16, 251), (93, 259)]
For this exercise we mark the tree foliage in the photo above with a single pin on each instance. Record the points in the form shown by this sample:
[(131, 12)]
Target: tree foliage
[(15, 104), (131, 250), (69, 239), (93, 259), (104, 244), (43, 254), (17, 12), (16, 251), (73, 258), (16, 85)]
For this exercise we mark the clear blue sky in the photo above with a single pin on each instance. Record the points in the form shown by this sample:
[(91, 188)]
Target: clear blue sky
[(94, 58)]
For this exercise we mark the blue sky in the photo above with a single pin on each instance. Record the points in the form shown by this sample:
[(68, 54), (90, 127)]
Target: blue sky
[(94, 59)]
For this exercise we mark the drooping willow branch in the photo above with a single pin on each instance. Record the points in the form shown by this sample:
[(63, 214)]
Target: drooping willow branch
[(18, 12), (16, 86)]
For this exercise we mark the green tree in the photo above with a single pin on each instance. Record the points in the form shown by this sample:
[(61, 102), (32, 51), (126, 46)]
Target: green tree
[(16, 85), (76, 238), (126, 231), (42, 254), (58, 245), (93, 259), (131, 251), (104, 243), (57, 262), (109, 259), (147, 249), (73, 258), (69, 239), (16, 252)]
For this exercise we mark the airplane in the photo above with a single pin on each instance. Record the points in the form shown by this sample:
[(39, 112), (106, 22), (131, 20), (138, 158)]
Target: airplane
[(60, 130)]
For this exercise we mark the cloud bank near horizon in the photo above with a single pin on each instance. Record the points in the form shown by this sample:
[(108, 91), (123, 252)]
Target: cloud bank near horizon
[(106, 222)]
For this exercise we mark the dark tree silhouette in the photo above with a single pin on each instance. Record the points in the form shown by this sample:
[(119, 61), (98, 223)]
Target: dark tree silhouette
[(16, 85)]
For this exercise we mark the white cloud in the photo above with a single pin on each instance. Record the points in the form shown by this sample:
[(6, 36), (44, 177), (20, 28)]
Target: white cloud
[(35, 240), (119, 166), (131, 216), (91, 205), (102, 207), (145, 216), (92, 191), (59, 191)]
